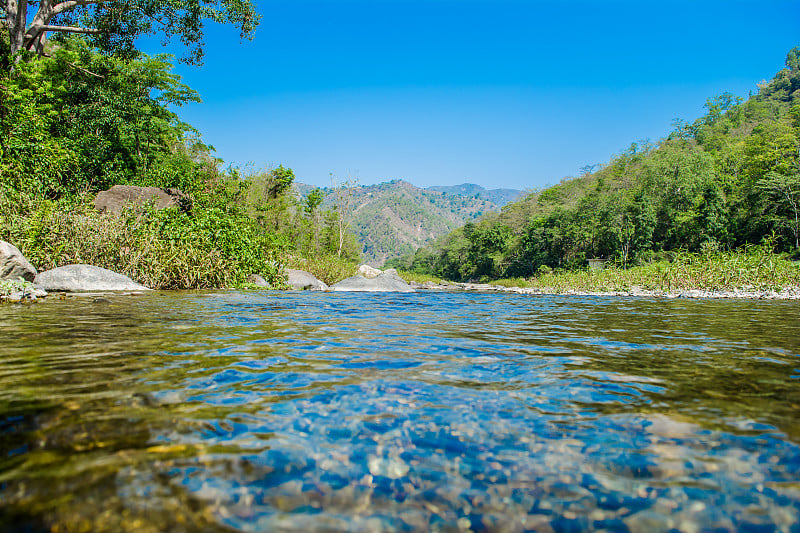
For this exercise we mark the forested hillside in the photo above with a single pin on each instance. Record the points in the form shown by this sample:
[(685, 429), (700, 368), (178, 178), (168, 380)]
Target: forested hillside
[(728, 179), (395, 218)]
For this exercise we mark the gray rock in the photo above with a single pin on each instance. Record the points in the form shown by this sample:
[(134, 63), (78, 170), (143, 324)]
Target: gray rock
[(258, 281), (115, 199), (13, 264), (75, 278), (302, 280), (384, 282)]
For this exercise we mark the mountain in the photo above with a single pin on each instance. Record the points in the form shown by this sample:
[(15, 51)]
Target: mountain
[(395, 218), (500, 197)]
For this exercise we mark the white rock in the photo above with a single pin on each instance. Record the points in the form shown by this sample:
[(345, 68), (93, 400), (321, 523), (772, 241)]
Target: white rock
[(369, 272)]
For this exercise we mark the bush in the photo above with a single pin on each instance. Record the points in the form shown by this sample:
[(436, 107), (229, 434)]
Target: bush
[(161, 249)]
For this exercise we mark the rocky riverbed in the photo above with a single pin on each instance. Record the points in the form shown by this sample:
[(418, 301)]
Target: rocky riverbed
[(792, 293)]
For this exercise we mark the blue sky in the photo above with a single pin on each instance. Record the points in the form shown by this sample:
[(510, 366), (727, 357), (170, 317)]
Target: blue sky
[(502, 93)]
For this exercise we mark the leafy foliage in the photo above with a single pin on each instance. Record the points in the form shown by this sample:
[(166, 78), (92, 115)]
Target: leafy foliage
[(80, 121), (113, 27)]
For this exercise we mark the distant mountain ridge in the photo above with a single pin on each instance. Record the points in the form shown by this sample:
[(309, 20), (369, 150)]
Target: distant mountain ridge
[(395, 218), (500, 197)]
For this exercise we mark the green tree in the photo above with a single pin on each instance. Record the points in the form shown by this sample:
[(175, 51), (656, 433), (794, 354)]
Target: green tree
[(82, 121), (113, 26), (313, 201), (311, 208), (784, 195)]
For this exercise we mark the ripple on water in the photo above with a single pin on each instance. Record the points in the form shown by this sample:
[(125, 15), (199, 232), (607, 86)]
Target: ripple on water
[(330, 411)]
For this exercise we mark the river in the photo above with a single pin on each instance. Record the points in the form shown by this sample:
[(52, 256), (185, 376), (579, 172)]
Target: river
[(287, 411)]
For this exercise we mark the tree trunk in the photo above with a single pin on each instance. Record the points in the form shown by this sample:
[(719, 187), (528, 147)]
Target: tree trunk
[(16, 17), (34, 38)]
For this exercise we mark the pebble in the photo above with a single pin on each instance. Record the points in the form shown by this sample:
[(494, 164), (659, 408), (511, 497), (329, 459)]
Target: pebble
[(392, 467)]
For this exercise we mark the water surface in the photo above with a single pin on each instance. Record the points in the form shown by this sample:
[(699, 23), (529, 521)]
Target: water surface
[(265, 411)]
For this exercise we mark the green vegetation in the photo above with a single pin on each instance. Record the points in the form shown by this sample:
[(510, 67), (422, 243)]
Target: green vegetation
[(79, 121), (418, 277), (729, 180), (113, 28), (751, 268)]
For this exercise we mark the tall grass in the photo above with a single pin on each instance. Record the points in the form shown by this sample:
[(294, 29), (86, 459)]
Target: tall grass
[(417, 277), (752, 268), (328, 268)]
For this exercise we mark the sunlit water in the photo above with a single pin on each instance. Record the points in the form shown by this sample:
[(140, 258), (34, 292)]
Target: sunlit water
[(269, 411)]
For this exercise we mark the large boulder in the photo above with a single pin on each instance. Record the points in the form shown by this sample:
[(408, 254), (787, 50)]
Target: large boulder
[(383, 282), (76, 278), (302, 280), (13, 264), (115, 199)]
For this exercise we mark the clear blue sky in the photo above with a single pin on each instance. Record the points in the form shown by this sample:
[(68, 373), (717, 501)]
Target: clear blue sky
[(502, 93)]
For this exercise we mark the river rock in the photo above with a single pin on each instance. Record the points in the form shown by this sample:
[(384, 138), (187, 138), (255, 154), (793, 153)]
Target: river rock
[(25, 293), (13, 264), (302, 280), (368, 272), (76, 278), (115, 199), (383, 282), (258, 281)]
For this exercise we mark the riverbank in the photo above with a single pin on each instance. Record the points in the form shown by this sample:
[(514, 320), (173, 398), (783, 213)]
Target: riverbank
[(792, 293), (751, 272)]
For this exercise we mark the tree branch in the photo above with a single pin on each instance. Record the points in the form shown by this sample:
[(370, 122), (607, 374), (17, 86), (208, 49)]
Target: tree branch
[(89, 72), (66, 29), (66, 6)]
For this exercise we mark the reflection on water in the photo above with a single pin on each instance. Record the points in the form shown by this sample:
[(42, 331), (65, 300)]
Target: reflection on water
[(305, 411)]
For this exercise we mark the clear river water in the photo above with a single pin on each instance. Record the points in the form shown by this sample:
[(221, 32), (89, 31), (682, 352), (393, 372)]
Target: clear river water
[(288, 411)]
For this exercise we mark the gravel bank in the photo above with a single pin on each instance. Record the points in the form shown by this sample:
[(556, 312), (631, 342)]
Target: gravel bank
[(792, 293)]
